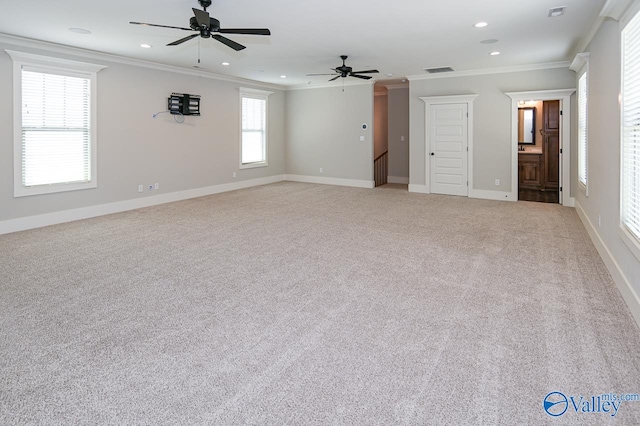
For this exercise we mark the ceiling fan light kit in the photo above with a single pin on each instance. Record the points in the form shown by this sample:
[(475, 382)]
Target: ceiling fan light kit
[(208, 27)]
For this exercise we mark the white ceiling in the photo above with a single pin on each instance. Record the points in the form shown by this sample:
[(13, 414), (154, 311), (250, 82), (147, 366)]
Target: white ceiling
[(399, 38)]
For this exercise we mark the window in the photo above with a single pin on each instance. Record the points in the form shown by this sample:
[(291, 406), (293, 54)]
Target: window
[(582, 130), (630, 135), (54, 125), (253, 141)]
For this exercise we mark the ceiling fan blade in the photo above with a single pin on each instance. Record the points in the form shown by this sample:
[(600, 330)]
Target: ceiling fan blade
[(182, 40), (320, 74), (334, 78), (366, 72), (161, 26), (232, 44), (250, 31), (364, 77), (202, 17)]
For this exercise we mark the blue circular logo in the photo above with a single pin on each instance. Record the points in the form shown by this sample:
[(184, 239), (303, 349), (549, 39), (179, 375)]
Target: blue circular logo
[(555, 404)]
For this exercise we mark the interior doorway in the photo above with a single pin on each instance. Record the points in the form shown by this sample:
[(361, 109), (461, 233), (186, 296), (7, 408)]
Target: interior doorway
[(558, 132), (539, 151)]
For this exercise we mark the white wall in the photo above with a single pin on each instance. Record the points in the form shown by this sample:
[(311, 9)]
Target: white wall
[(604, 164), (398, 106), (133, 148), (323, 130), (492, 142)]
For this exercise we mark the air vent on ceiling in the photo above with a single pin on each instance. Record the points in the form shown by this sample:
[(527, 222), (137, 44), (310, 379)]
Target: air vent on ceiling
[(556, 11), (438, 70)]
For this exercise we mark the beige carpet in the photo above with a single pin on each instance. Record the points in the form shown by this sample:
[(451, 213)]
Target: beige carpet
[(308, 304)]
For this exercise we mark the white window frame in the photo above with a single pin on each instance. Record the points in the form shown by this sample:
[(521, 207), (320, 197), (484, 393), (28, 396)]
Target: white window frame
[(631, 239), (584, 121), (55, 66), (264, 96)]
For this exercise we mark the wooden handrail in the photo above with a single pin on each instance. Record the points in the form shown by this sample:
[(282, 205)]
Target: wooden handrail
[(380, 156)]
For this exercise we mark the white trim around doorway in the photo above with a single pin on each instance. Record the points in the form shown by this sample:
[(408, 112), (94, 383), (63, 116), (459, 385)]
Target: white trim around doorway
[(453, 99), (564, 96)]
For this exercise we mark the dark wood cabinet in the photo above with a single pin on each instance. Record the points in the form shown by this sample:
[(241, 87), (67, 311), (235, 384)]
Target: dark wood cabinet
[(530, 170), (551, 114)]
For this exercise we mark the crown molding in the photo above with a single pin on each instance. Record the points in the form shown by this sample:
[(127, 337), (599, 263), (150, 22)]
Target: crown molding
[(396, 86), (612, 9), (330, 85), (100, 56), (579, 61), (485, 71)]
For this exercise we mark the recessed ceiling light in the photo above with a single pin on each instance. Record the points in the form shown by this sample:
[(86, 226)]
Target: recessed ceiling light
[(389, 75), (226, 64), (480, 25), (283, 76), (146, 46), (489, 41), (494, 53), (79, 31), (556, 11)]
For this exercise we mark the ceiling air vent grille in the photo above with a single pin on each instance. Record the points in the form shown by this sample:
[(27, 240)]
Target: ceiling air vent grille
[(438, 70), (556, 11)]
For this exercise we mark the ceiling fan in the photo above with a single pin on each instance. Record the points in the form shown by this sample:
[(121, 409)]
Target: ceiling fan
[(345, 71), (207, 26)]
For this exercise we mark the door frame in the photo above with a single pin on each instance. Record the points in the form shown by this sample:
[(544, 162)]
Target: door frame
[(564, 96), (453, 99)]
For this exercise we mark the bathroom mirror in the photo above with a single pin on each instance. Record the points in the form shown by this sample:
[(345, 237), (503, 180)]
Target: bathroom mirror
[(527, 125)]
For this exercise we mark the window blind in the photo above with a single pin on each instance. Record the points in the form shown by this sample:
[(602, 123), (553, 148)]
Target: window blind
[(631, 126), (582, 129), (253, 130), (56, 134)]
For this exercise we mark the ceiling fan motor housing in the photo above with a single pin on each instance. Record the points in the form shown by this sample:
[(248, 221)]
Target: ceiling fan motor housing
[(214, 26)]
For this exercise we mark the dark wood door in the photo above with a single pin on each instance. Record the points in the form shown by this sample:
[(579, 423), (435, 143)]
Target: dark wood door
[(551, 148)]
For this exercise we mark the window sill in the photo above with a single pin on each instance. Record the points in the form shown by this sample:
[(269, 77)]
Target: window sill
[(253, 165), (631, 242), (21, 191), (584, 188)]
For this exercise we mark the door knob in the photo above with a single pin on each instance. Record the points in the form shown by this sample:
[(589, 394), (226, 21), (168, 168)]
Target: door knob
[(433, 153)]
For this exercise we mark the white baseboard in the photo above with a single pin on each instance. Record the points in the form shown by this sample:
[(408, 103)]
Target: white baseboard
[(30, 222), (331, 181), (398, 179), (420, 189), (624, 286), (492, 195)]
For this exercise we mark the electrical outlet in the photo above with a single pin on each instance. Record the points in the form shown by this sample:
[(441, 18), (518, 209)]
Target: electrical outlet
[(234, 174), (321, 170), (361, 138), (497, 182), (150, 187), (401, 138), (156, 185), (140, 188)]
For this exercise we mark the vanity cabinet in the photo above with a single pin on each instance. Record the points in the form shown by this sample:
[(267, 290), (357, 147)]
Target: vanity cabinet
[(530, 170)]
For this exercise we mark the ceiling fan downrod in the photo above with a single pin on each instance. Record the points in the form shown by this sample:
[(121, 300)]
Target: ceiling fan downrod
[(205, 4)]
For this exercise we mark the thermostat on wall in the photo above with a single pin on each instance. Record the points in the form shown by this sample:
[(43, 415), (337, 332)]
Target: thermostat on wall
[(364, 126)]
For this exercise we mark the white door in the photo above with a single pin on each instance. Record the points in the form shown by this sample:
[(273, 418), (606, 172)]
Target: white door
[(448, 149)]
